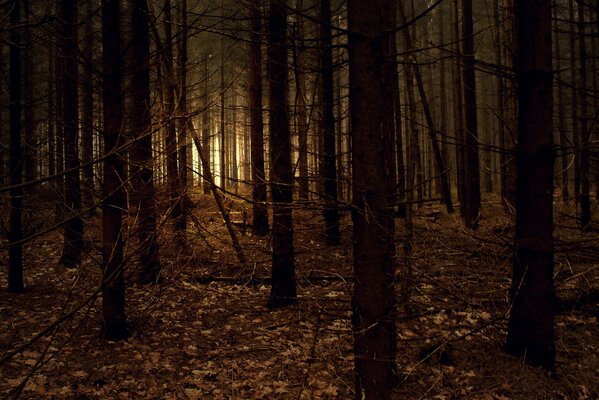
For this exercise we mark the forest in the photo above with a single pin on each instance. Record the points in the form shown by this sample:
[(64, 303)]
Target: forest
[(299, 199)]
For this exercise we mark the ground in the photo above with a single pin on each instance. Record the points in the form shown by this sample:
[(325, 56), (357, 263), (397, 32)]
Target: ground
[(204, 332)]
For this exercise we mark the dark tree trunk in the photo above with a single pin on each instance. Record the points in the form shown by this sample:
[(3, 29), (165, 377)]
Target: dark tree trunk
[(301, 112), (458, 111), (373, 299), (223, 92), (87, 128), (181, 222), (575, 114), (329, 172), (283, 291), (259, 209), (564, 146), (51, 115), (73, 233), (141, 152), (585, 134), (30, 148), (169, 85), (205, 121), (59, 63), (15, 161), (472, 195), (113, 280), (531, 325)]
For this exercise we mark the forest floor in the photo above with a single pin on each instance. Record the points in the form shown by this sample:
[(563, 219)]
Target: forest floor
[(204, 332)]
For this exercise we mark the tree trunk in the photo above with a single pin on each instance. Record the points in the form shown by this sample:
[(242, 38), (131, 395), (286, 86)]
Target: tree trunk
[(30, 148), (300, 103), (564, 145), (283, 291), (73, 233), (531, 331), (458, 109), (113, 280), (15, 160), (87, 123), (172, 169), (182, 118), (373, 300), (141, 151), (205, 119), (259, 209), (585, 134), (329, 172), (471, 134), (575, 114)]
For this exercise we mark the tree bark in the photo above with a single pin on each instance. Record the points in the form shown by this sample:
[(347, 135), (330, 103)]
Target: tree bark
[(585, 134), (205, 119), (300, 103), (113, 280), (87, 123), (471, 133), (172, 168), (329, 172), (73, 233), (15, 160), (181, 222), (283, 291), (141, 151), (373, 301), (259, 209), (531, 331)]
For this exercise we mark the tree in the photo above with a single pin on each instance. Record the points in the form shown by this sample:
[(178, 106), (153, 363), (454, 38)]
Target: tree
[(73, 232), (182, 118), (329, 172), (113, 280), (584, 198), (87, 128), (373, 301), (531, 331), (15, 161), (141, 151), (169, 87), (259, 210), (283, 291), (471, 164)]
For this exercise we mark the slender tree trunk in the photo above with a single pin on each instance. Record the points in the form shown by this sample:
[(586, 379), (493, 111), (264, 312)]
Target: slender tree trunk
[(301, 111), (205, 119), (223, 133), (458, 111), (373, 300), (172, 168), (182, 118), (73, 233), (259, 209), (585, 134), (141, 152), (59, 63), (87, 123), (575, 114), (233, 143), (329, 172), (561, 123), (51, 115), (283, 291), (471, 134), (531, 331), (15, 159), (113, 280), (30, 148)]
